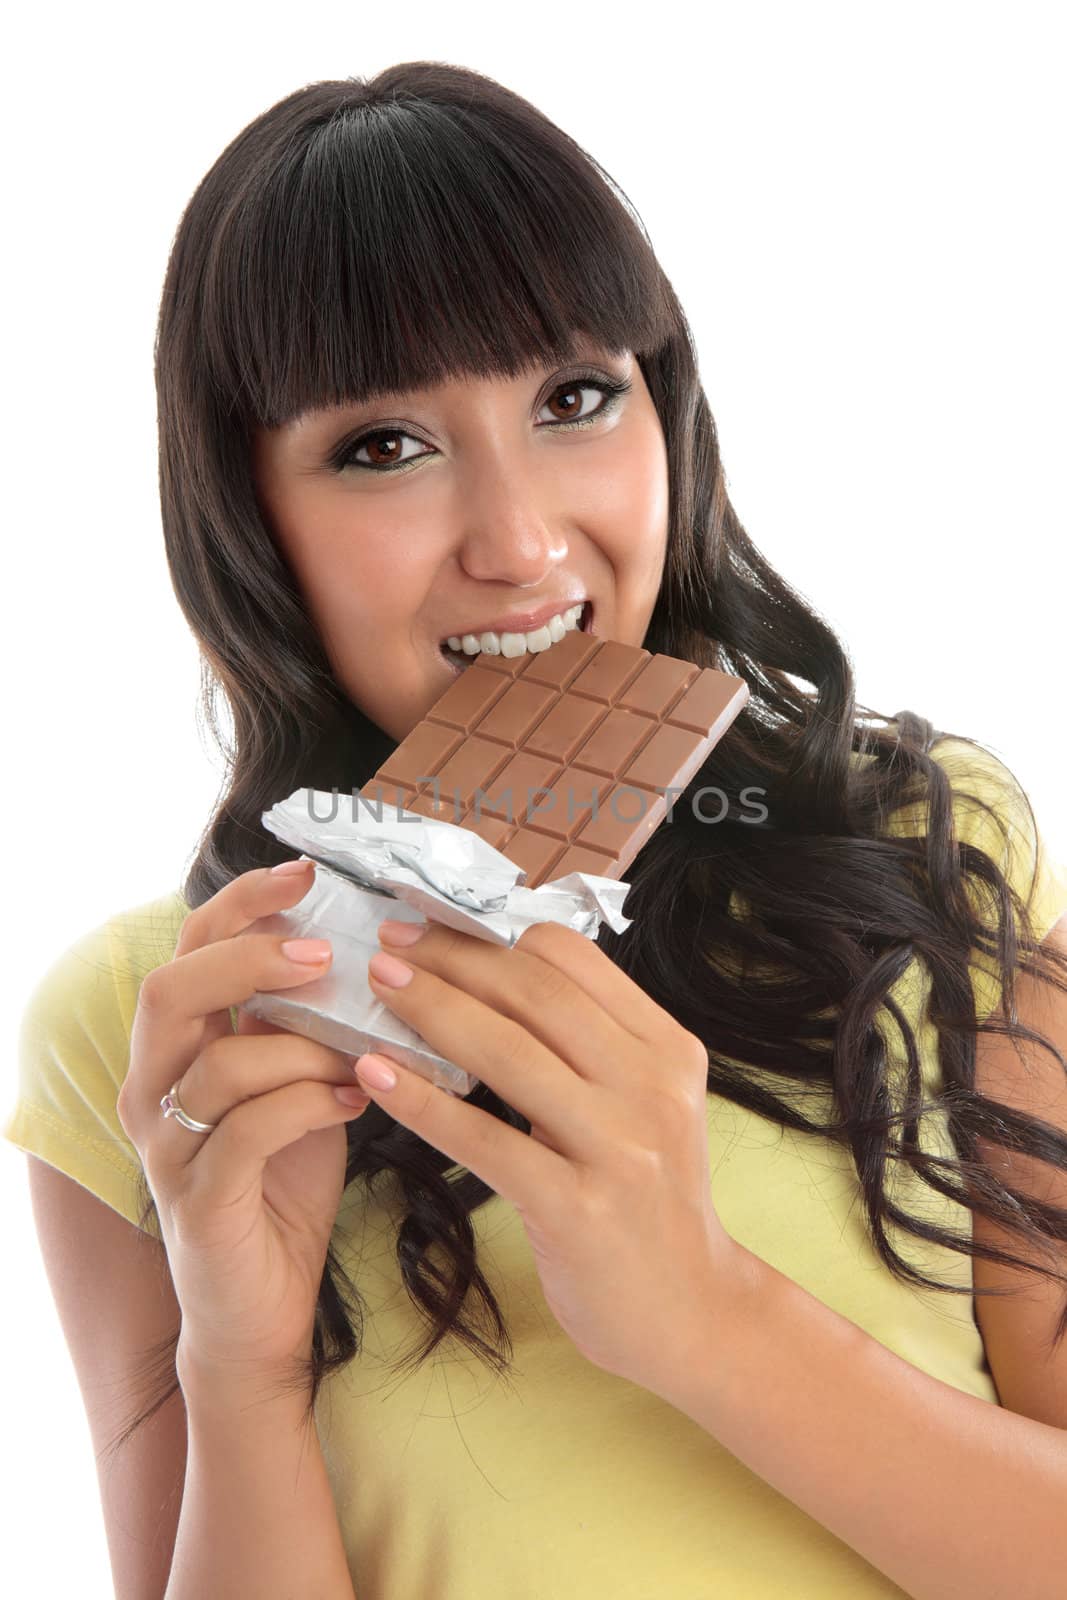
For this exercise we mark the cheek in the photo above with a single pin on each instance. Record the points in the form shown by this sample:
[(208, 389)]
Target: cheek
[(365, 576), (640, 501)]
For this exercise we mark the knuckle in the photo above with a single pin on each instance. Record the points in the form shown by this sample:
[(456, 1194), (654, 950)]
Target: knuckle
[(124, 1110), (216, 1057), (484, 1138), (546, 938), (194, 930), (155, 987), (244, 891), (694, 1052), (642, 1163), (676, 1108), (510, 1047), (199, 927), (423, 1097), (547, 984), (443, 940)]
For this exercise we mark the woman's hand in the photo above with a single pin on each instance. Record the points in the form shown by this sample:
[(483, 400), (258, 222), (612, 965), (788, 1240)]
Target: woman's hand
[(612, 1184), (245, 1210)]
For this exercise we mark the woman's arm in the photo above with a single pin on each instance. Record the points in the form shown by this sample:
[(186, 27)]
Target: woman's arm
[(257, 1516), (951, 1497)]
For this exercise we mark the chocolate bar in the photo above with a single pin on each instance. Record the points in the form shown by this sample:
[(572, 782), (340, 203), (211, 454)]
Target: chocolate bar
[(564, 760)]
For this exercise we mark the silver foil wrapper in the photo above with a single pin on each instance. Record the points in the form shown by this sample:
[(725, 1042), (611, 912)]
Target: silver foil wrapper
[(373, 861)]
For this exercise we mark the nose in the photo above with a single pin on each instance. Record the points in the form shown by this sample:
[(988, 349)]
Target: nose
[(506, 541)]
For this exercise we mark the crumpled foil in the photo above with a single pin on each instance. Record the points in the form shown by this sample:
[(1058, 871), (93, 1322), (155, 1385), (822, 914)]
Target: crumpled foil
[(372, 861)]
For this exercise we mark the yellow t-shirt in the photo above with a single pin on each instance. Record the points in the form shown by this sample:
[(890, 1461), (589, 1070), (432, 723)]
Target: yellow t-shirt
[(562, 1480)]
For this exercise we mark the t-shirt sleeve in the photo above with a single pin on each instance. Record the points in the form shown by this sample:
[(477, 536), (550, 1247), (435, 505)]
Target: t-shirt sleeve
[(73, 1055), (992, 812)]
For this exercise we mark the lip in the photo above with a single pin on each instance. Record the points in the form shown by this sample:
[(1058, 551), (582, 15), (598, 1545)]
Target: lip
[(520, 621), (456, 666)]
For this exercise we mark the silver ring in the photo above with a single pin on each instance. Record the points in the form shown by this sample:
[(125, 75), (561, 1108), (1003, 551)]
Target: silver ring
[(172, 1107)]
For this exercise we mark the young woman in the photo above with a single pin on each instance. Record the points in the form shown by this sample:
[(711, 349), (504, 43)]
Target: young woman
[(741, 1271)]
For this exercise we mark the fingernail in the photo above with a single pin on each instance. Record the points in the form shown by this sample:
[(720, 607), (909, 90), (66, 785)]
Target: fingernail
[(390, 971), (285, 867), (373, 1071), (401, 932), (308, 952)]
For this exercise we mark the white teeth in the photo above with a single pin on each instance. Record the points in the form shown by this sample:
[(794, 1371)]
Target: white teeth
[(517, 644)]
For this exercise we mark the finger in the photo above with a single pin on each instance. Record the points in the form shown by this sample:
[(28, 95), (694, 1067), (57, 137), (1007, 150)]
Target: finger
[(173, 1001), (519, 983), (586, 965), (231, 1158), (236, 907), (240, 903), (550, 1094), (526, 1172), (227, 1072)]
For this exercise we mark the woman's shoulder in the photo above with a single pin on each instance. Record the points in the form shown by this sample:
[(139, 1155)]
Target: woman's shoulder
[(103, 967), (90, 987), (74, 1048), (991, 811), (143, 937), (97, 976)]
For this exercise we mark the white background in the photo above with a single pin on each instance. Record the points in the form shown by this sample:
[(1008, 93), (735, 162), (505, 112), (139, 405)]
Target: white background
[(861, 210)]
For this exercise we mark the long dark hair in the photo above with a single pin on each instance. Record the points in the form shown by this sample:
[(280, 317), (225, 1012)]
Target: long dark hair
[(393, 232)]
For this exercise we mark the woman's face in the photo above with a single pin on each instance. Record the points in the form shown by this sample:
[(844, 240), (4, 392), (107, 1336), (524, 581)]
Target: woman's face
[(502, 511)]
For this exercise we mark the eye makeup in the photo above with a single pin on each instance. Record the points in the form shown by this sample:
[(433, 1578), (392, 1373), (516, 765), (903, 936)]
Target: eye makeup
[(341, 456)]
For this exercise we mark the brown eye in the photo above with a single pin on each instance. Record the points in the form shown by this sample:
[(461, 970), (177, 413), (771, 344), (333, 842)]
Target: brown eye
[(383, 448), (568, 397)]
